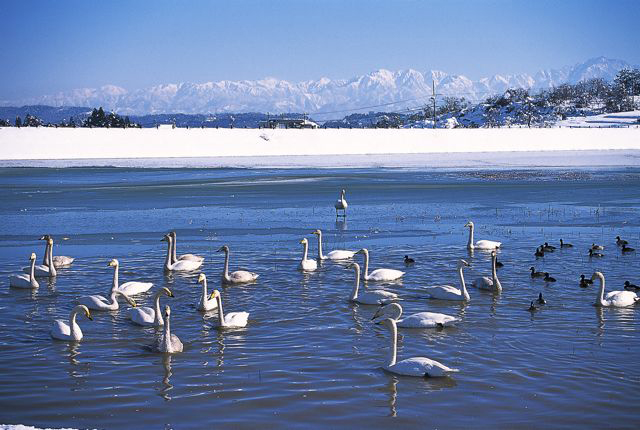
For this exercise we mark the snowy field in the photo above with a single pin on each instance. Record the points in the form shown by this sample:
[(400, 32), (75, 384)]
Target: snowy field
[(620, 119), (317, 148)]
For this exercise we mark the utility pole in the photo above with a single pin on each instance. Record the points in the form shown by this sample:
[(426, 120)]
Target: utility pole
[(433, 98)]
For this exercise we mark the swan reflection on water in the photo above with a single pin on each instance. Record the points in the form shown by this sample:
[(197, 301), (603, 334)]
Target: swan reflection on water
[(166, 380), (428, 385)]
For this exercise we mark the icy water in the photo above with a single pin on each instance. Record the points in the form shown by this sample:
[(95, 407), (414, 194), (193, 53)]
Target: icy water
[(308, 356)]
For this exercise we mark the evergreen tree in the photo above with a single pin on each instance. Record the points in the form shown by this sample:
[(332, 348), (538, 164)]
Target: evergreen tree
[(18, 121)]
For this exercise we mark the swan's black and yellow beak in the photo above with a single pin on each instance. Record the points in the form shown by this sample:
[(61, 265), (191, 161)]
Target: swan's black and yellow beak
[(89, 316)]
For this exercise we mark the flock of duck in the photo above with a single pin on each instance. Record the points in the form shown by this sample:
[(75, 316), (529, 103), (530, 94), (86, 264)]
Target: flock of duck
[(389, 314)]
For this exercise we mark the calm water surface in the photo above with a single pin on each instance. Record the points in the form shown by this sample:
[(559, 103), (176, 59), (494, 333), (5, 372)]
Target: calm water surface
[(308, 356)]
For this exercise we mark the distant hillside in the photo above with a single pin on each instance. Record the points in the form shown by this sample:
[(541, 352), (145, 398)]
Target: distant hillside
[(48, 114)]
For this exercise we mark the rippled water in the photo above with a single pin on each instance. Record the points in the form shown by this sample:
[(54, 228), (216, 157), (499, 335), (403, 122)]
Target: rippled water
[(308, 356)]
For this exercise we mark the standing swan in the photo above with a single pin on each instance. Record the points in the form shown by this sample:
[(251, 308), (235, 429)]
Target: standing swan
[(374, 297), (25, 281), (338, 254), (486, 283), (174, 257), (342, 205), (415, 366), (205, 303), (481, 244), (378, 274), (180, 265), (168, 342), (617, 299), (307, 264), (130, 288), (447, 292), (63, 331), (150, 316), (418, 320), (59, 261), (47, 269), (237, 277), (232, 319)]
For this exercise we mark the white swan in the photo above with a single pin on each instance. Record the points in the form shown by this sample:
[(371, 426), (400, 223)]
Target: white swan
[(175, 258), (205, 303), (338, 254), (237, 277), (180, 265), (150, 316), (307, 264), (617, 299), (447, 292), (168, 342), (130, 288), (63, 331), (378, 275), (373, 297), (232, 319), (44, 270), (25, 281), (417, 320), (415, 366), (101, 303), (481, 244), (489, 283), (341, 204), (59, 261)]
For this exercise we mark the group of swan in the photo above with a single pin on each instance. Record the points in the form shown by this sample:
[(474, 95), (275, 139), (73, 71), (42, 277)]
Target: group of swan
[(185, 263), (309, 265), (48, 268), (371, 297)]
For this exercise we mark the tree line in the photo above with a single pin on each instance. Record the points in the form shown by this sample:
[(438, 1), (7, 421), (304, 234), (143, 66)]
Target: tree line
[(97, 119)]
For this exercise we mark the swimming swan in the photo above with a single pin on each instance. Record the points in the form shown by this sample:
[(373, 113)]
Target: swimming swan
[(237, 277), (180, 265), (307, 264), (418, 320), (63, 331), (205, 303), (168, 342), (447, 292), (416, 366), (481, 244), (378, 275), (175, 258), (101, 303), (232, 319), (341, 204), (59, 261), (338, 254), (25, 281), (617, 299), (150, 316), (47, 269), (130, 288), (373, 297), (486, 283)]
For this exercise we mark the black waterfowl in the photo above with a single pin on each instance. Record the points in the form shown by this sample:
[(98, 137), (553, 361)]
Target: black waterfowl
[(539, 252), (535, 274), (541, 300), (532, 307), (630, 287), (565, 245), (547, 248), (626, 248), (621, 242), (408, 260), (597, 247), (548, 278), (585, 282), (593, 253), (499, 264)]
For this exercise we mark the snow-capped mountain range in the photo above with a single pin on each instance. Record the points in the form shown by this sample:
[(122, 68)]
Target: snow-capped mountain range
[(379, 90)]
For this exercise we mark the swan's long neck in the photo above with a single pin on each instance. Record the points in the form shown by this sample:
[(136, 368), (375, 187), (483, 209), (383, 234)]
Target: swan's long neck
[(354, 292), (225, 273), (114, 299), (167, 334), (157, 319), (167, 260), (366, 265), (75, 331), (306, 251), (397, 312), (52, 268), (600, 299), (470, 243), (174, 256), (465, 293), (45, 258), (494, 274), (320, 256), (32, 270), (394, 344), (220, 311), (115, 283)]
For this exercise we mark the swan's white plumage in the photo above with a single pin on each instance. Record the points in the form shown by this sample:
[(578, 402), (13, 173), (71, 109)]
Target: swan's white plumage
[(232, 319), (619, 299), (371, 297), (25, 281), (480, 244), (130, 288), (417, 320), (307, 264), (448, 292), (237, 277), (338, 254), (205, 303), (179, 265), (175, 257), (62, 330), (378, 275)]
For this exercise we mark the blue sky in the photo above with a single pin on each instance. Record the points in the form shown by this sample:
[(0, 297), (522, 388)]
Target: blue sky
[(50, 46)]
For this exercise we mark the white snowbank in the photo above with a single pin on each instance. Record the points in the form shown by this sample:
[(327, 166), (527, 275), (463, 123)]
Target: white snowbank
[(620, 119), (284, 147)]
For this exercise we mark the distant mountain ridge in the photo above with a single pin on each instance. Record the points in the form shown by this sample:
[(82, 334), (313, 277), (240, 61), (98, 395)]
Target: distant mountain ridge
[(321, 98)]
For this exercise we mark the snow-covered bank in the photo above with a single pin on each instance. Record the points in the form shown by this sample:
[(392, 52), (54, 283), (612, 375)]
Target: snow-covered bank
[(21, 146)]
